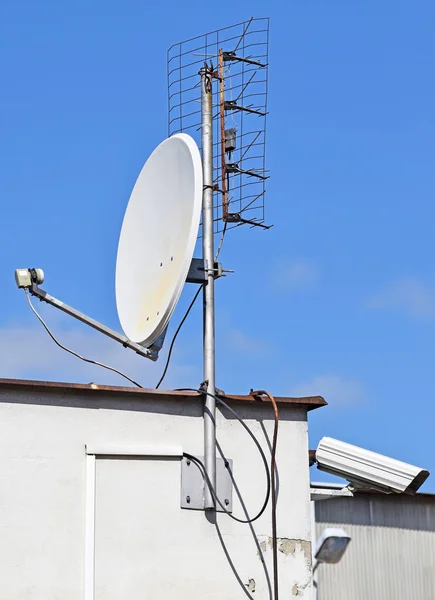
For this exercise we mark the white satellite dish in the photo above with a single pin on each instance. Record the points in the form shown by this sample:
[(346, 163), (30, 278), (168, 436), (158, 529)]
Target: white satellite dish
[(158, 238)]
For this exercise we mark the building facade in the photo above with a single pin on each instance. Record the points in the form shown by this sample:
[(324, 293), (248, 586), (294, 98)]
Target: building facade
[(391, 555), (91, 493)]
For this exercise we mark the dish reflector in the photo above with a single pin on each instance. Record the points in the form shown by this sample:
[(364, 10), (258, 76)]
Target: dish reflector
[(158, 238)]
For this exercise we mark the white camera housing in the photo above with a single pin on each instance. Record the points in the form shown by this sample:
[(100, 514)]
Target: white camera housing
[(366, 469)]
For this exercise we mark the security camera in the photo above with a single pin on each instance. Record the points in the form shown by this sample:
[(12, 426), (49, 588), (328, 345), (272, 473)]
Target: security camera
[(366, 469)]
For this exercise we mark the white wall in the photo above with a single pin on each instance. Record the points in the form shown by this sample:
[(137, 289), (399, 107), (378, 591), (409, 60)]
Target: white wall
[(145, 545)]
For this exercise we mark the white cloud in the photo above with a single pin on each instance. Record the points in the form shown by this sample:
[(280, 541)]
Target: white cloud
[(27, 352), (336, 390), (408, 295), (245, 344), (297, 274)]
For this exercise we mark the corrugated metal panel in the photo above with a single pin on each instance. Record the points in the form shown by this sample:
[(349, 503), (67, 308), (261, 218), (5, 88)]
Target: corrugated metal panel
[(392, 552)]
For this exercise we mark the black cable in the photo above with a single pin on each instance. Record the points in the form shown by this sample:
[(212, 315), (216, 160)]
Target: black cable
[(230, 562), (175, 337), (273, 468), (88, 360), (201, 467), (274, 497), (260, 449), (250, 525)]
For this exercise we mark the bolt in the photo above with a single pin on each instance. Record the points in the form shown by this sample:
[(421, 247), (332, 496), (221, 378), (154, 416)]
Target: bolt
[(188, 462), (188, 499), (227, 501)]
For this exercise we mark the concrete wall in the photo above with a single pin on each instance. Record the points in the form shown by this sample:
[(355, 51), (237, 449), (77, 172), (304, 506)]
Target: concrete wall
[(145, 545), (392, 552)]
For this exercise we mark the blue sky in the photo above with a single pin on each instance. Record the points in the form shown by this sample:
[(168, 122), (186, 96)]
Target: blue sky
[(337, 299)]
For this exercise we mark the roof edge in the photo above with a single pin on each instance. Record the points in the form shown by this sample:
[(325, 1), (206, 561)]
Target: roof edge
[(310, 402)]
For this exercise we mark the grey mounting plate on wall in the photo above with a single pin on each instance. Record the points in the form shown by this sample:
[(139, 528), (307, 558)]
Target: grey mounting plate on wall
[(192, 484)]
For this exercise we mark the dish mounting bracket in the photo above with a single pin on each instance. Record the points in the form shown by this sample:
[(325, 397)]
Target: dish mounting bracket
[(31, 285), (198, 273), (193, 484)]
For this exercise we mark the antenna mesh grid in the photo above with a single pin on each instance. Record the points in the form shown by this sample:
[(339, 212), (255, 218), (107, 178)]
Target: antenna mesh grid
[(245, 89)]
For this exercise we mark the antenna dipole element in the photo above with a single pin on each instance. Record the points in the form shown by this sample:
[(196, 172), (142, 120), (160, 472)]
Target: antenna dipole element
[(208, 294)]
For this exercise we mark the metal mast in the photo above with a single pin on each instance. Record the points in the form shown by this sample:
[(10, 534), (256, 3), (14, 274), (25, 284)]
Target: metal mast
[(209, 308), (234, 169)]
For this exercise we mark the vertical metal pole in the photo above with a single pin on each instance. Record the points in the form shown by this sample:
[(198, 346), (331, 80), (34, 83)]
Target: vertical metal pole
[(208, 255)]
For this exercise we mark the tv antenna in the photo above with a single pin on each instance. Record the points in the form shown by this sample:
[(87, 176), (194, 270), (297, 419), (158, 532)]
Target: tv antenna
[(235, 62), (217, 95), (228, 105)]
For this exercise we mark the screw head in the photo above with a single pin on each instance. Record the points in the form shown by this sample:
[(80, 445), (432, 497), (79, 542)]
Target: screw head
[(227, 501), (188, 461), (188, 499)]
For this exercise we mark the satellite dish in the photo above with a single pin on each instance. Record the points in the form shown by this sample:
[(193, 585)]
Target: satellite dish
[(158, 238)]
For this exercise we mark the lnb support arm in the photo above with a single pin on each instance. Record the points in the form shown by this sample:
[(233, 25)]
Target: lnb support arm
[(29, 279)]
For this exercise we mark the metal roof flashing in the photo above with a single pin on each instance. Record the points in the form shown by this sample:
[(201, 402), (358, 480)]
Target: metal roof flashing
[(309, 403)]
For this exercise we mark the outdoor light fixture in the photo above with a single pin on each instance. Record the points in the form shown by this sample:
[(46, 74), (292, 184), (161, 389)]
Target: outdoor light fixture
[(331, 546)]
